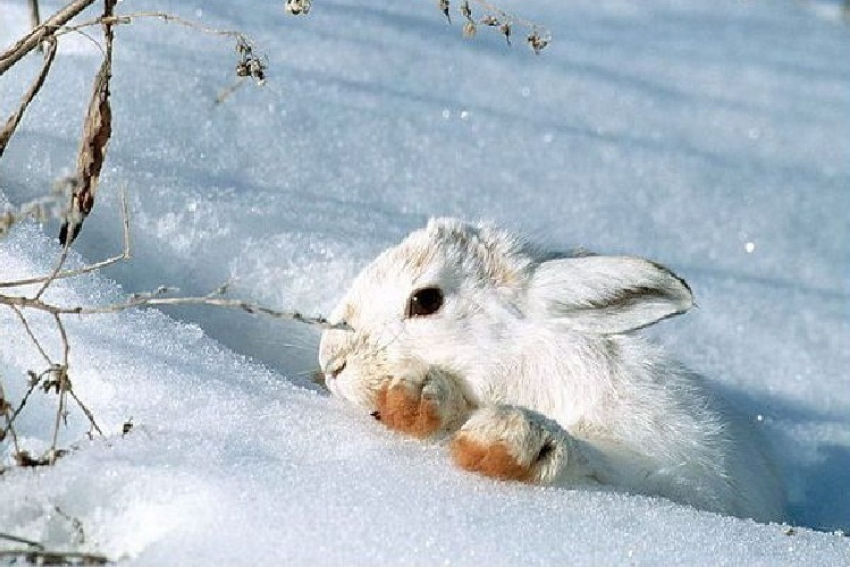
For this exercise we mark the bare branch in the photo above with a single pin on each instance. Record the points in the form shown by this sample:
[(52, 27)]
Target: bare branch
[(13, 121), (31, 335), (41, 209), (124, 19), (34, 381), (42, 32), (145, 300), (63, 256), (66, 346), (43, 557), (97, 132), (504, 16), (538, 37), (225, 93), (89, 415), (57, 274), (66, 351), (52, 454), (249, 64), (17, 539), (35, 18), (10, 429)]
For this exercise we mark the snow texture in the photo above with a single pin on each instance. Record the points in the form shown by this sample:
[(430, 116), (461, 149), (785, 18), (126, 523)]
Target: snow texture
[(710, 136)]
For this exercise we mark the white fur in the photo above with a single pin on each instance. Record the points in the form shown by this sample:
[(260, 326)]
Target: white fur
[(524, 332)]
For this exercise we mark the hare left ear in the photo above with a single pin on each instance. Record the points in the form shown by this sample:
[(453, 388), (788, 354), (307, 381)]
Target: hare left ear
[(606, 294)]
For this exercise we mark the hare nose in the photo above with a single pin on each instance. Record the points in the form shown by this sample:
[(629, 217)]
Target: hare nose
[(336, 370)]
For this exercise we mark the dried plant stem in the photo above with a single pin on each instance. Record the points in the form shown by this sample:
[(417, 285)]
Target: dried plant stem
[(87, 412), (10, 429), (61, 370), (32, 336), (58, 274), (56, 376), (144, 300), (20, 302), (128, 19), (63, 256), (504, 15), (66, 346), (41, 209), (33, 384), (63, 387), (40, 33), (225, 93), (17, 539), (44, 557), (35, 18), (60, 411), (13, 121)]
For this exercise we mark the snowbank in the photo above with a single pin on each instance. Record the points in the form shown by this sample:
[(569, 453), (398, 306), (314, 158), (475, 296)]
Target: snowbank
[(711, 138)]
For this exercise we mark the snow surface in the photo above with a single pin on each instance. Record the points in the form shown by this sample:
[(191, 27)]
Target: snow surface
[(711, 136)]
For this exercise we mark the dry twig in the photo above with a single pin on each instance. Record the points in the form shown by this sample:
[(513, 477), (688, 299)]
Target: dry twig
[(44, 557), (13, 121), (41, 210), (18, 539), (58, 274), (56, 376), (97, 132), (124, 19), (153, 298), (33, 39), (494, 17), (35, 18), (5, 409), (97, 129)]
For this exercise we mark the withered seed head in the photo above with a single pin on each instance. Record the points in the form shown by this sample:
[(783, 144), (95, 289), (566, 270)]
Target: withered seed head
[(506, 31), (298, 7), (537, 42), (465, 10), (444, 8)]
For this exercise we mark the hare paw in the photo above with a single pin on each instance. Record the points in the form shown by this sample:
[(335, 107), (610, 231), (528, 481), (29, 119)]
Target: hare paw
[(512, 443), (419, 407)]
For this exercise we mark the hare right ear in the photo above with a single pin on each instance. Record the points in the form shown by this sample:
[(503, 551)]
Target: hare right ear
[(606, 294)]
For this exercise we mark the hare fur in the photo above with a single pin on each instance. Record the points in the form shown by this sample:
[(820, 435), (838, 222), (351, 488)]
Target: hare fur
[(528, 360)]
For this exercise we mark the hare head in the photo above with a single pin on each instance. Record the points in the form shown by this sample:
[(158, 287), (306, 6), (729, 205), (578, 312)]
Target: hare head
[(459, 296)]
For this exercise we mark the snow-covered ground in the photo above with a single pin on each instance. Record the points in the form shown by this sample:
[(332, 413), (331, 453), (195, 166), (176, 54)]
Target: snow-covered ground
[(710, 136)]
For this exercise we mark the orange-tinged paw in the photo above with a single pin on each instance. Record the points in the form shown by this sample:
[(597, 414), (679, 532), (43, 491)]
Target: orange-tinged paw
[(512, 443), (403, 407), (493, 460)]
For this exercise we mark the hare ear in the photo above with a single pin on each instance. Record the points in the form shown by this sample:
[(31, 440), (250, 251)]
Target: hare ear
[(606, 294)]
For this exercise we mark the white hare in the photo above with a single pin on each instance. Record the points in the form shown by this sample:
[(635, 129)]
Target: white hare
[(528, 360)]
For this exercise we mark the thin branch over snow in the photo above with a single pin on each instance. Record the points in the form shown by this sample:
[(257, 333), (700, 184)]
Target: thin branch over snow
[(78, 195), (56, 377), (33, 39), (13, 121)]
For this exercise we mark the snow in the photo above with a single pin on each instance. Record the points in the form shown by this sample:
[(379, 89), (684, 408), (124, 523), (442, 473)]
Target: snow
[(709, 136)]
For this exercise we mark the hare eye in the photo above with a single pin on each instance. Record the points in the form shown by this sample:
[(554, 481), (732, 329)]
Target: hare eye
[(423, 302)]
